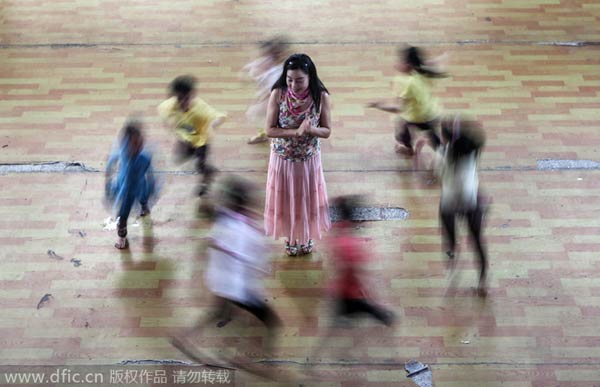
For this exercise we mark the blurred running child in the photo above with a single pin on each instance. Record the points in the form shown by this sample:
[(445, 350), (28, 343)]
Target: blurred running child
[(351, 295), (237, 263), (414, 102), (194, 122), (129, 177), (463, 141), (265, 70)]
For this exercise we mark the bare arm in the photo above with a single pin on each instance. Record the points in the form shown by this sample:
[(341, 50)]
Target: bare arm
[(390, 107), (439, 63), (272, 115), (217, 122), (324, 130)]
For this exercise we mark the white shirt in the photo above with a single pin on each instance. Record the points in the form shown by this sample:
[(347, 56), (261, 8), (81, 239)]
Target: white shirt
[(238, 258), (264, 75), (460, 182)]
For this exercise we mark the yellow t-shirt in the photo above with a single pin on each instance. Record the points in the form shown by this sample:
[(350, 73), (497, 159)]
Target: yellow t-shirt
[(419, 105), (192, 126)]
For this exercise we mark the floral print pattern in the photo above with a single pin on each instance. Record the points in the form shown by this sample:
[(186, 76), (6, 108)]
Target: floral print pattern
[(299, 148)]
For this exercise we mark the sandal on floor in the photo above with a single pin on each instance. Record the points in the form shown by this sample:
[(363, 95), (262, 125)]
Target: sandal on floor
[(122, 244), (307, 249), (291, 250)]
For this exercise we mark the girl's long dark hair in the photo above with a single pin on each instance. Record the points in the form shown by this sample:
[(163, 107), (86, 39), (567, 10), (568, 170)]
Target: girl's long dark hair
[(131, 128), (413, 56), (304, 63)]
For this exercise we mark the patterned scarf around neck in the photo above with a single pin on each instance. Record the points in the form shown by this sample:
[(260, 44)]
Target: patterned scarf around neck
[(298, 103)]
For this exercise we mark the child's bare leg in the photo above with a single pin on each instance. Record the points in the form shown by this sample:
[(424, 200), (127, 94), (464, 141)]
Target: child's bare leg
[(449, 235), (268, 317), (434, 142), (124, 211), (324, 341), (182, 341), (475, 220), (419, 144), (403, 139), (122, 242), (338, 311)]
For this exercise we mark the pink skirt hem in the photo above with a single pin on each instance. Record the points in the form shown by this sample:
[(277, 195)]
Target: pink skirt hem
[(296, 205)]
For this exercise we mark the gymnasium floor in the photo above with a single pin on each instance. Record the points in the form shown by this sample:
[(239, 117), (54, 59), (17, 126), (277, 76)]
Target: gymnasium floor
[(72, 70)]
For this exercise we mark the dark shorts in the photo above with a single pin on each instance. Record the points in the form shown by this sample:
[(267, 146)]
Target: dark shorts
[(403, 132)]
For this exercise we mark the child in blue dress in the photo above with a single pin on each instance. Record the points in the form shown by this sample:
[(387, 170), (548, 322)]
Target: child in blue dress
[(129, 178)]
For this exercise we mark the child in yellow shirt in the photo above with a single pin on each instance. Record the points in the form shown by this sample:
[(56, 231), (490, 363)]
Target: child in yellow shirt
[(193, 121), (415, 104)]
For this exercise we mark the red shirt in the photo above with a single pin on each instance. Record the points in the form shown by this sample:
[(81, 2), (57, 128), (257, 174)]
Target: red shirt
[(349, 255)]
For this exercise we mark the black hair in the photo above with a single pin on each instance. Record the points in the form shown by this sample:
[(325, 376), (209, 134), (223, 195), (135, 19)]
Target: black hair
[(468, 137), (183, 85), (413, 56), (304, 63), (276, 46), (237, 193), (345, 205), (132, 127)]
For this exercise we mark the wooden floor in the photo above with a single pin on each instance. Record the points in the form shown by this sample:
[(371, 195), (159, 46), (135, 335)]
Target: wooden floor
[(72, 70)]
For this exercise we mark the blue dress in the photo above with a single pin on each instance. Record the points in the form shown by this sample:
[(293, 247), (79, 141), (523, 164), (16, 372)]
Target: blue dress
[(134, 180)]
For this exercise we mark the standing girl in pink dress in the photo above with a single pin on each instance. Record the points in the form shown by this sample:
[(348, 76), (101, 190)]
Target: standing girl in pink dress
[(298, 116)]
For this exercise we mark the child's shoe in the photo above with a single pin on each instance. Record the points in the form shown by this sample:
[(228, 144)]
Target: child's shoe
[(145, 210), (389, 318)]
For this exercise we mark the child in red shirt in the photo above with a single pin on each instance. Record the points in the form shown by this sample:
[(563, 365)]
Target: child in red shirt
[(350, 294), (350, 291)]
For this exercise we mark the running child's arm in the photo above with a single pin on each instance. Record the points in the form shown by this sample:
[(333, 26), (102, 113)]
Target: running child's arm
[(254, 69), (439, 64), (390, 107), (217, 122)]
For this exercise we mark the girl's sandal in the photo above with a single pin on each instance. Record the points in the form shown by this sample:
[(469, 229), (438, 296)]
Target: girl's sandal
[(307, 249), (145, 210), (290, 250)]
